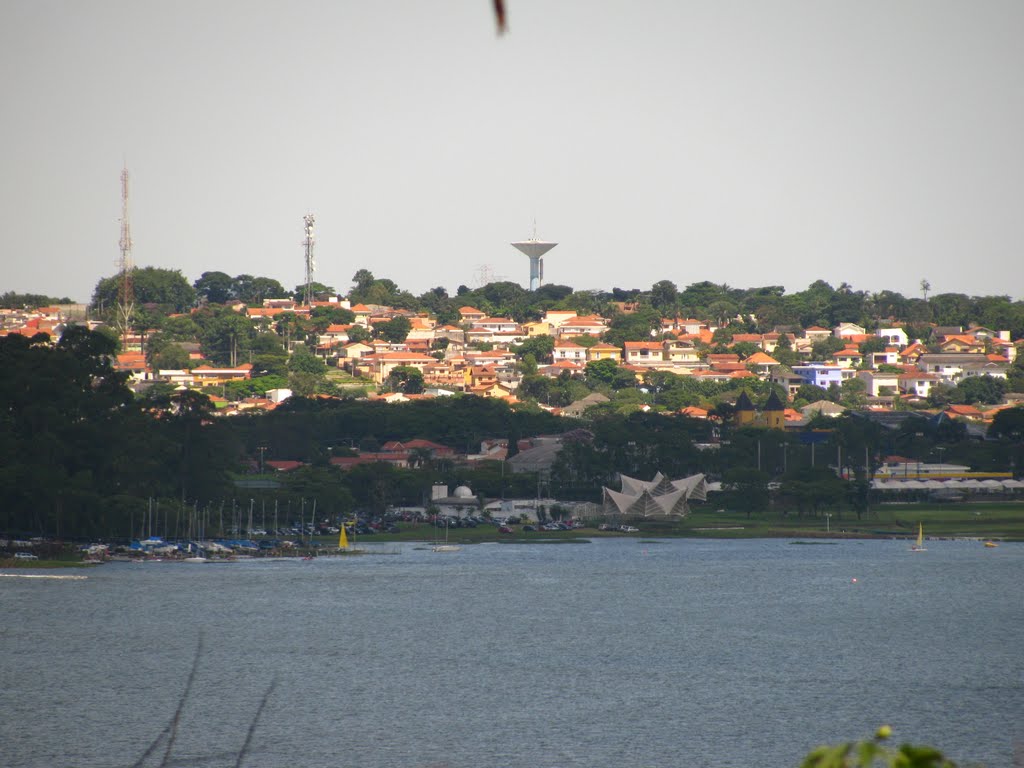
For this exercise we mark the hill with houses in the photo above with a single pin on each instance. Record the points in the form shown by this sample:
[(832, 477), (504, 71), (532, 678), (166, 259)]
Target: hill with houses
[(510, 392)]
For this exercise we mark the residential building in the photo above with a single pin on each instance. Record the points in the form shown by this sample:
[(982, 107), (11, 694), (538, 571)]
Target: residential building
[(821, 375), (644, 353)]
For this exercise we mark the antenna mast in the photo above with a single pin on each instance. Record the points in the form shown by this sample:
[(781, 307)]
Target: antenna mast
[(310, 263), (126, 294)]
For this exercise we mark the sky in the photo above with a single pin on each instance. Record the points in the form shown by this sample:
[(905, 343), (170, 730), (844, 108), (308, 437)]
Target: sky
[(743, 142)]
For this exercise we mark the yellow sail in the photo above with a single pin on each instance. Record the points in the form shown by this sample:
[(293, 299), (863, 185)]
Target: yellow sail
[(342, 539), (920, 535)]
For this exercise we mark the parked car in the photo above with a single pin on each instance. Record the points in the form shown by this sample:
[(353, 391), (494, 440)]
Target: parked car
[(629, 529), (24, 556), (529, 528), (504, 529)]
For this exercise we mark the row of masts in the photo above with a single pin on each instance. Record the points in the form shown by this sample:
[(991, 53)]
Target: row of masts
[(193, 522)]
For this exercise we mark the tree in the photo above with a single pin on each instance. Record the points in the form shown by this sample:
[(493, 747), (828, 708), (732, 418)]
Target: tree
[(854, 393), (405, 378), (748, 489), (1008, 424), (225, 336), (253, 290), (394, 330), (823, 349), (811, 393), (359, 333), (665, 297), (318, 289), (171, 357), (811, 488), (361, 281), (636, 326), (167, 288), (874, 344), (304, 361), (12, 300), (540, 347), (602, 371), (981, 389), (784, 351), (872, 753), (214, 288), (268, 355)]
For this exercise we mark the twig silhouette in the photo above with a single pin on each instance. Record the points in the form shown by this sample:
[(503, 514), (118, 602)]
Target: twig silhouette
[(176, 720), (171, 729), (252, 726), (170, 732)]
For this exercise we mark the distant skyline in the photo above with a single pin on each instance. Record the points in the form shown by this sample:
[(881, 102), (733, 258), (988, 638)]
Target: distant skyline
[(739, 142)]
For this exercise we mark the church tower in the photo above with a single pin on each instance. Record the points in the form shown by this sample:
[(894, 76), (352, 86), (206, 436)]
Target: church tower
[(774, 412), (744, 413)]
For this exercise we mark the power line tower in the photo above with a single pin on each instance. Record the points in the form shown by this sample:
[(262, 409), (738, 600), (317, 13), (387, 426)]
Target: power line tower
[(126, 294), (310, 263)]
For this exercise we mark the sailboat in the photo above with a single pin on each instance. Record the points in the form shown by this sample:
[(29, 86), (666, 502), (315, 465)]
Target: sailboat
[(918, 546), (446, 547), (342, 538)]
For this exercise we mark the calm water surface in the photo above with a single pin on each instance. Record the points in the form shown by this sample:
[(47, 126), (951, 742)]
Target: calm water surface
[(616, 653)]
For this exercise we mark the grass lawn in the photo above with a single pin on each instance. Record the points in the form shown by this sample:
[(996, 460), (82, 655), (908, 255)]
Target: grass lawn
[(1004, 521)]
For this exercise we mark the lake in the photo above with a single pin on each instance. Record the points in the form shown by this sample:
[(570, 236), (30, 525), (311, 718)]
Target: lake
[(615, 653)]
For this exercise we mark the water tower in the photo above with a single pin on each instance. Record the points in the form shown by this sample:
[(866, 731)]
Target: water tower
[(535, 249)]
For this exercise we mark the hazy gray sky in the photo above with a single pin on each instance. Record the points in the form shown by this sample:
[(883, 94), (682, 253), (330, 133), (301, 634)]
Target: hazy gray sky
[(748, 142)]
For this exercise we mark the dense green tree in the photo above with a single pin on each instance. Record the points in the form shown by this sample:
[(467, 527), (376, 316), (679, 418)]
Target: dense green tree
[(258, 386), (1008, 424), (784, 351), (540, 347), (810, 393), (225, 335), (951, 309), (171, 357), (12, 300), (215, 287), (318, 290), (394, 330), (253, 290), (665, 297), (304, 361), (405, 378), (822, 350), (854, 393), (359, 333), (987, 390), (635, 326), (551, 293), (747, 489), (179, 328), (811, 489), (167, 288)]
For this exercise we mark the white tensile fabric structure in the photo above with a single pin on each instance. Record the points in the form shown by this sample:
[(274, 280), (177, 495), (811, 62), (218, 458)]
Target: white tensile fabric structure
[(660, 496)]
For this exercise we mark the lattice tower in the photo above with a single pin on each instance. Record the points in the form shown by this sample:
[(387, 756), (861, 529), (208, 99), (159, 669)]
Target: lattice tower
[(310, 262), (126, 294)]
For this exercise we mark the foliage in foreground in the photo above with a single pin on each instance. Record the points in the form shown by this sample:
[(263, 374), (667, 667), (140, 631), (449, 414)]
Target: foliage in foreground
[(874, 752)]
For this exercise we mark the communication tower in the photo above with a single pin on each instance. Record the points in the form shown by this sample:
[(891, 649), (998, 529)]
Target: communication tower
[(126, 294), (310, 263), (535, 250)]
